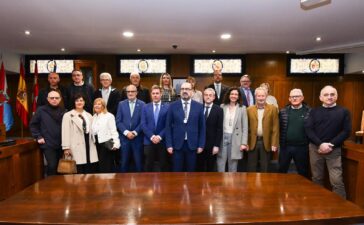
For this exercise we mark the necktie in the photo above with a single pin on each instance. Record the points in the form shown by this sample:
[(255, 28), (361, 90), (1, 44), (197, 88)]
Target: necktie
[(247, 95), (185, 109), (218, 91), (206, 112), (156, 113), (131, 108)]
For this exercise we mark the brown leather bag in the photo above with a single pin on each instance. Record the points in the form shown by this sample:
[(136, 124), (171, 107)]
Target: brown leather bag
[(67, 165)]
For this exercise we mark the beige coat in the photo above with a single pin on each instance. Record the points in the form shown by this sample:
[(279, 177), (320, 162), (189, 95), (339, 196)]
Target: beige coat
[(270, 126), (73, 138), (240, 131)]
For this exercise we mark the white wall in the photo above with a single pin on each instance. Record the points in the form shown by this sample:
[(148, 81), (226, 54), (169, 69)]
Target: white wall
[(354, 63), (11, 61)]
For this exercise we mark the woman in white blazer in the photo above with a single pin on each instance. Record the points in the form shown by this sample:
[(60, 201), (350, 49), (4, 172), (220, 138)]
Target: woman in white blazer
[(103, 129), (76, 138), (235, 131)]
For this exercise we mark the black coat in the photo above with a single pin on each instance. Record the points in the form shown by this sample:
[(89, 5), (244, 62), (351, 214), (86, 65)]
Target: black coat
[(43, 95), (86, 90), (112, 102), (214, 127), (47, 123), (219, 99)]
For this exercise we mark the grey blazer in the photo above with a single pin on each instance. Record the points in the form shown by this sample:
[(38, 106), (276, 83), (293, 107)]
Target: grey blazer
[(240, 132)]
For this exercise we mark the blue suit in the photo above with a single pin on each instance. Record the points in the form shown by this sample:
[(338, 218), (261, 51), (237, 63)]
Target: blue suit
[(124, 121), (148, 124), (151, 150), (176, 130)]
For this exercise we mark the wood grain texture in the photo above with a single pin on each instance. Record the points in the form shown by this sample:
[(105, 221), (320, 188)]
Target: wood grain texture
[(178, 198)]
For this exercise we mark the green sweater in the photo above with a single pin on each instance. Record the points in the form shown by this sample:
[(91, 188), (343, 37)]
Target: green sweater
[(295, 130)]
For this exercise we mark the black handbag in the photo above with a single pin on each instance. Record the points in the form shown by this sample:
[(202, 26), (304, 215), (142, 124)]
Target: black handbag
[(109, 145)]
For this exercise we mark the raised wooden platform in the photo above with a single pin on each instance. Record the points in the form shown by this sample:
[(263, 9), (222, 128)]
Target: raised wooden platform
[(178, 198), (21, 165)]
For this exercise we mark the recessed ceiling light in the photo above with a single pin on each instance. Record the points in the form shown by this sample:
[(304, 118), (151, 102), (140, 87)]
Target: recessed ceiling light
[(225, 36), (27, 32), (213, 51), (128, 34), (318, 39), (139, 50), (287, 52), (362, 71), (63, 49)]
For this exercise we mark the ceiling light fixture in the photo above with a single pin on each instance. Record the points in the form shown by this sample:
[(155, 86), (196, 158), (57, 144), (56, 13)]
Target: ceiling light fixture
[(287, 52), (318, 39), (139, 50), (63, 49), (27, 32), (128, 34), (311, 4), (213, 51), (225, 36)]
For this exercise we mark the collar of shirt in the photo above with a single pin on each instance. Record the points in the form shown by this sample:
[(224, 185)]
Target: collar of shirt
[(206, 105), (300, 106), (188, 101), (159, 103), (106, 89), (331, 106), (80, 84)]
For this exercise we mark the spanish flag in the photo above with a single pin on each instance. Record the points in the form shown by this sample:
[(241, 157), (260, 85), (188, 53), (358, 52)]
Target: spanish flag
[(22, 97)]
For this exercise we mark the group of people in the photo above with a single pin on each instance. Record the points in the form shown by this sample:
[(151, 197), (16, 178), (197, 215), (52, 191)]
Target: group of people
[(161, 130)]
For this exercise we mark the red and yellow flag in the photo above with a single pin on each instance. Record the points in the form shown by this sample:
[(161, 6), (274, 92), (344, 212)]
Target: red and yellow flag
[(22, 97), (35, 89)]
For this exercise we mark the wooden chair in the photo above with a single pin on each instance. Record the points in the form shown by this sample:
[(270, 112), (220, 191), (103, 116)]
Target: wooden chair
[(359, 135)]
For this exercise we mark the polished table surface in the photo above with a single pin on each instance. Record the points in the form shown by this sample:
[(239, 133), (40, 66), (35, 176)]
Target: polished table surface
[(178, 198)]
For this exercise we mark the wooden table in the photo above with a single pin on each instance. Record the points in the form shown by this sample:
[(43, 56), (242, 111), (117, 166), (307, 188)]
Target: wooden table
[(178, 198)]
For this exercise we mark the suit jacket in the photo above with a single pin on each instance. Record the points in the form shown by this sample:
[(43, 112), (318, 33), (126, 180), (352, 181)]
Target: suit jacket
[(240, 131), (143, 94), (270, 126), (219, 99), (148, 125), (214, 126), (176, 128), (124, 121), (243, 96), (112, 102)]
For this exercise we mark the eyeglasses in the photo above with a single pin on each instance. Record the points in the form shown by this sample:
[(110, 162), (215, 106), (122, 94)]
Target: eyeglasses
[(186, 89), (54, 98), (295, 96), (130, 91)]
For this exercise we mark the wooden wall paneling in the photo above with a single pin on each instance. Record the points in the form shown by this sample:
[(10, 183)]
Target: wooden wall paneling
[(307, 89), (281, 92)]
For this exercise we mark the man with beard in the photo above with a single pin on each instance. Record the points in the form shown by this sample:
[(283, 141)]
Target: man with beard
[(185, 130)]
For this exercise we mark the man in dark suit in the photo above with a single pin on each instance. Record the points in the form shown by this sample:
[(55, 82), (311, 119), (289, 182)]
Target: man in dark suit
[(110, 95), (128, 122), (185, 130), (247, 93), (79, 86), (214, 116), (143, 93), (219, 88), (53, 80), (153, 124)]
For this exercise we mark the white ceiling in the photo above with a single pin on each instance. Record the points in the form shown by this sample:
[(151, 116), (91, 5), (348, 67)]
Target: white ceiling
[(257, 26)]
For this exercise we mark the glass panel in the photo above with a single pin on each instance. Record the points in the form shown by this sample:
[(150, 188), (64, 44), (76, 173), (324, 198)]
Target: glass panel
[(208, 65), (143, 65), (48, 65), (312, 65)]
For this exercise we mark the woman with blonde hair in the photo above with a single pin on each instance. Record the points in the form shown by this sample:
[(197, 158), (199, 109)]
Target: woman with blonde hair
[(168, 92), (197, 95), (104, 131), (270, 98)]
